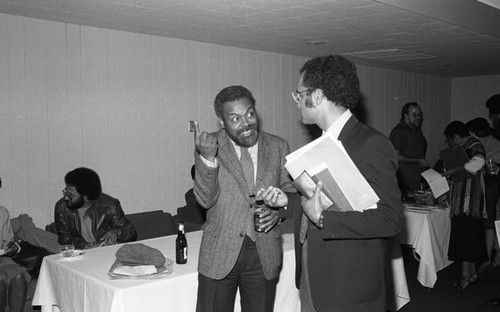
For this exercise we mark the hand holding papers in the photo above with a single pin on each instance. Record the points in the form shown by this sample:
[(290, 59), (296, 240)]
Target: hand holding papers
[(347, 186), (454, 158), (306, 185), (436, 181)]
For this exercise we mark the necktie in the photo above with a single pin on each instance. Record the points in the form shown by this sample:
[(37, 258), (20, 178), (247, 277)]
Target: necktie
[(247, 166), (248, 170)]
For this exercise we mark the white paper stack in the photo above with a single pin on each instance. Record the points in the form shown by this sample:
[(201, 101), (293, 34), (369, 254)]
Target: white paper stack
[(330, 151)]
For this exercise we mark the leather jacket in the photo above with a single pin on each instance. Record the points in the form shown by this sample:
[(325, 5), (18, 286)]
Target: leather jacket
[(106, 214)]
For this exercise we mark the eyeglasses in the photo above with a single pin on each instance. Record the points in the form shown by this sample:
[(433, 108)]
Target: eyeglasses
[(297, 95), (421, 116), (67, 194)]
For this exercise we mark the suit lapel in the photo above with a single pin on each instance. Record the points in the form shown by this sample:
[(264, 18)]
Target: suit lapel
[(262, 161)]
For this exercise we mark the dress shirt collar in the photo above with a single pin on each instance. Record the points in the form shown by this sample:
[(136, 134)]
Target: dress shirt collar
[(339, 124), (252, 150)]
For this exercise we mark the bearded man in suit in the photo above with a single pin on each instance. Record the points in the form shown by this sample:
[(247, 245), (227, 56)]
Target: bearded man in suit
[(340, 261), (231, 166)]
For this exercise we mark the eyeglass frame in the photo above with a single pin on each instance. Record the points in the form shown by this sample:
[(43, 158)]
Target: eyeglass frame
[(68, 194), (297, 95)]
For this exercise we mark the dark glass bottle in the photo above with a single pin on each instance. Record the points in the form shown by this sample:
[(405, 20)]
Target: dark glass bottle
[(181, 246)]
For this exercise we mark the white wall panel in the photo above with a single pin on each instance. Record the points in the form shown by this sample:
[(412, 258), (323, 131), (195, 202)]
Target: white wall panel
[(469, 95), (119, 103)]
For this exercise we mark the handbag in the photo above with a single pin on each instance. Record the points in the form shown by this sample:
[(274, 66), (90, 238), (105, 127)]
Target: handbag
[(30, 257)]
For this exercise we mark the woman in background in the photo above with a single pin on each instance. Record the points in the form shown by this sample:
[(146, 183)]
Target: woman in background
[(467, 205), (480, 128), (13, 278)]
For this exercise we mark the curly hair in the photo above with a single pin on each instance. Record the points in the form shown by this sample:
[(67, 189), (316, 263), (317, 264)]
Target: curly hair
[(479, 126), (493, 104), (335, 76), (230, 94), (406, 108), (456, 128), (86, 182)]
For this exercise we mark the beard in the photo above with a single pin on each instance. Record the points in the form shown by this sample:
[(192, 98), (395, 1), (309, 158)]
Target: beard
[(246, 140), (75, 204)]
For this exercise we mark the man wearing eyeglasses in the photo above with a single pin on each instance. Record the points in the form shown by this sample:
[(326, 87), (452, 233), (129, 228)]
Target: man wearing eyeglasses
[(232, 165), (411, 147), (340, 255), (86, 217)]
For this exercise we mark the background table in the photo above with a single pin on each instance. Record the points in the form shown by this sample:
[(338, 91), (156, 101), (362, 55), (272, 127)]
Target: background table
[(428, 232), (83, 285)]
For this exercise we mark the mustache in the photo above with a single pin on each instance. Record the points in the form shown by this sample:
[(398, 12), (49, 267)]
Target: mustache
[(246, 128)]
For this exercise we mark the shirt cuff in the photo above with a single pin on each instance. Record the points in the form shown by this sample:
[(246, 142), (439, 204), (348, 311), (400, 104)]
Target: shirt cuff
[(18, 247), (208, 163), (320, 221)]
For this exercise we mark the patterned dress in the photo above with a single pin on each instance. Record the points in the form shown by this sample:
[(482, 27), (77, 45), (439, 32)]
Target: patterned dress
[(467, 212)]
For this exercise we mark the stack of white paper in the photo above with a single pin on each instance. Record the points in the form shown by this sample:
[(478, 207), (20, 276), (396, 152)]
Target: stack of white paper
[(330, 151)]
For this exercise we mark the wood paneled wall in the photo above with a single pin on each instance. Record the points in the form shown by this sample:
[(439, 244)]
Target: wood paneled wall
[(469, 95), (386, 92), (119, 103)]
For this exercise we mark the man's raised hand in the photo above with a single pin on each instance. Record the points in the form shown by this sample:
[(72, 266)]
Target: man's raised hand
[(205, 143)]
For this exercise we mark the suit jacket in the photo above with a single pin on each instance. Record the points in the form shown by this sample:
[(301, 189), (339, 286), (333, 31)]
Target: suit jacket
[(223, 191), (346, 258)]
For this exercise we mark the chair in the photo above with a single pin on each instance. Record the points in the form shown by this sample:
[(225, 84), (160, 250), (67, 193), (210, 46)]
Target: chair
[(151, 224), (51, 228)]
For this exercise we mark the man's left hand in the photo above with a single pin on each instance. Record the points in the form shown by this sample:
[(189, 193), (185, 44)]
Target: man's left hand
[(312, 207), (269, 217), (273, 197), (11, 249), (110, 237)]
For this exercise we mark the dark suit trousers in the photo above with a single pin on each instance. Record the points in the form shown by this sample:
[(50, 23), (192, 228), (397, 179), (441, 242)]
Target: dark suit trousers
[(257, 294)]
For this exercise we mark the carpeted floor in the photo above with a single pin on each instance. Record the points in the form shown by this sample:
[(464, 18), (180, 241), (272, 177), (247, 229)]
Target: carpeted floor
[(444, 297)]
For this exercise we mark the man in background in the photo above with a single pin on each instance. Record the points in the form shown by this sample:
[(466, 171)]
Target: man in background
[(86, 217), (340, 255), (411, 146), (231, 165), (192, 214), (493, 105)]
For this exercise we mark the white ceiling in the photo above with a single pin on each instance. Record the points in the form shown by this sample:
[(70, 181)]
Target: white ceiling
[(440, 37)]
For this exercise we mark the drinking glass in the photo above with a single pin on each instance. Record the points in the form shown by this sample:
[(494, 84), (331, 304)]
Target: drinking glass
[(491, 167), (67, 250), (259, 207)]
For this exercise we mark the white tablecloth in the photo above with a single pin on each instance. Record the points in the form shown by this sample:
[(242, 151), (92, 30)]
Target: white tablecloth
[(428, 232), (83, 285)]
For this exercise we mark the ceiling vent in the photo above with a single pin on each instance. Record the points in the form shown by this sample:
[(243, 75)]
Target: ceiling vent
[(391, 55)]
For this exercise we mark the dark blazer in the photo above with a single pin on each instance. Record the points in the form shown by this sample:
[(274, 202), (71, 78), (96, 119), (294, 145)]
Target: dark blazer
[(346, 259), (223, 191)]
